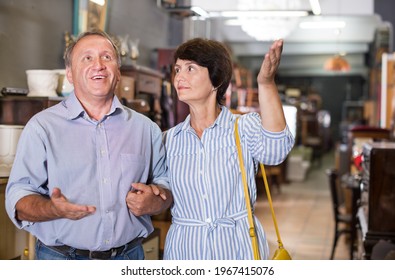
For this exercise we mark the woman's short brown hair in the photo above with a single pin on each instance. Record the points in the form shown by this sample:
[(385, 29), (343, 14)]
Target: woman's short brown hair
[(214, 56)]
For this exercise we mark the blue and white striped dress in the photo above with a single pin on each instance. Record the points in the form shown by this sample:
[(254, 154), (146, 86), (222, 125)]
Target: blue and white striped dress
[(209, 211)]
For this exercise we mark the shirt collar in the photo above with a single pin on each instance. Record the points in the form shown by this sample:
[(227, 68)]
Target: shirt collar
[(75, 109), (224, 120)]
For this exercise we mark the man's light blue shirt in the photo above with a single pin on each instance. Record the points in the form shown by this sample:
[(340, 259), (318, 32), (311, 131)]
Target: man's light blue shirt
[(93, 163)]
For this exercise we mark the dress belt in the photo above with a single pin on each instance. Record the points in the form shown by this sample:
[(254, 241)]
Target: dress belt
[(100, 255), (229, 221)]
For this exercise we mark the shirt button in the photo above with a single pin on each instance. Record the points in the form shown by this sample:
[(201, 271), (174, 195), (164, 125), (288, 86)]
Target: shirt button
[(208, 220)]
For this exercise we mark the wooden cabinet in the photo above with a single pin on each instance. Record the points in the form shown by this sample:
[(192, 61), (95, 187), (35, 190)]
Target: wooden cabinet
[(377, 203), (17, 110), (125, 89), (148, 88), (14, 243)]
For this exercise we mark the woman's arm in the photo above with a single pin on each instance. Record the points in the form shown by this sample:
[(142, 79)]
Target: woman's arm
[(271, 110)]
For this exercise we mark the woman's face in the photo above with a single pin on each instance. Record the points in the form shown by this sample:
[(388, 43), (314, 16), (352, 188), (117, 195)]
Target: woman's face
[(192, 82)]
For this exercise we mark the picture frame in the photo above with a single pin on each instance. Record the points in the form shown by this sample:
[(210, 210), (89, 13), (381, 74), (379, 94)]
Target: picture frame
[(89, 14)]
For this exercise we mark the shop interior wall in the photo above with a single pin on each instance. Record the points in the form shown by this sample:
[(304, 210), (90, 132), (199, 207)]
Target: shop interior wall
[(32, 33)]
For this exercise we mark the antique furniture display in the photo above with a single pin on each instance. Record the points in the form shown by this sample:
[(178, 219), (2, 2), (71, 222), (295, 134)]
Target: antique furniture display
[(148, 88), (377, 211), (17, 110)]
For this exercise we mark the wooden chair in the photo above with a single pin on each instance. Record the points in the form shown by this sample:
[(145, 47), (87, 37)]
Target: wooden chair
[(340, 218), (274, 175), (313, 128)]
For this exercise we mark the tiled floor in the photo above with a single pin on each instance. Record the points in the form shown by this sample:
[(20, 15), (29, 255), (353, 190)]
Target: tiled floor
[(304, 216)]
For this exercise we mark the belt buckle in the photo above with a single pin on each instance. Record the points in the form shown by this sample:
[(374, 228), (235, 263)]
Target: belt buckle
[(105, 255)]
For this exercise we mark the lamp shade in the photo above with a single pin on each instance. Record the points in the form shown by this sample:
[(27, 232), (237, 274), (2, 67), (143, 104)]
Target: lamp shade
[(337, 63)]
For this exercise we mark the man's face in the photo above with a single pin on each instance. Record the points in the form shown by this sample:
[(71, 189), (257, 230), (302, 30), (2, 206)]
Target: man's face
[(94, 70)]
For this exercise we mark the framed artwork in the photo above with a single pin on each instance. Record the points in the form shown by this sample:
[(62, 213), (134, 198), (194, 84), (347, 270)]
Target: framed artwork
[(89, 14)]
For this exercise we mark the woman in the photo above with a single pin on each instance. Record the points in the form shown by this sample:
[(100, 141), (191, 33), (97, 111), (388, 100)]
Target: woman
[(209, 211)]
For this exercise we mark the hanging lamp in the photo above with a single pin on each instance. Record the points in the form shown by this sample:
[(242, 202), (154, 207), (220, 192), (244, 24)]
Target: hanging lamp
[(337, 63)]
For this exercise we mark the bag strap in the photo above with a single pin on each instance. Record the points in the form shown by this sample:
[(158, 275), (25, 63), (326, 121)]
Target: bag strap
[(269, 198), (247, 196)]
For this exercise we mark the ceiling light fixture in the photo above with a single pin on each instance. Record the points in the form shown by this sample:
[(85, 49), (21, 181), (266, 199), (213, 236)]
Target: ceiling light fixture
[(315, 7), (265, 25), (337, 63), (268, 29), (257, 14), (267, 20), (322, 24), (200, 12), (99, 2)]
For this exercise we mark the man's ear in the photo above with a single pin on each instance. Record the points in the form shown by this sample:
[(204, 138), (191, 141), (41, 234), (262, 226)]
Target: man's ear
[(118, 75), (69, 75)]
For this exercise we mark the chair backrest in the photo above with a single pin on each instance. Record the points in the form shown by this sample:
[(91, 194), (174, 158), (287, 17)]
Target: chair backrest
[(333, 182)]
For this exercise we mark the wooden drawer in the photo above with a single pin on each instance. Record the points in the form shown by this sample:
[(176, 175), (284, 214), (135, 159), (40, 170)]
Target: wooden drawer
[(149, 84), (19, 109), (151, 248), (125, 88)]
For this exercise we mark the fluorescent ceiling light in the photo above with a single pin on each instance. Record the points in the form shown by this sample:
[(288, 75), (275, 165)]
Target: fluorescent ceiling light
[(315, 7), (265, 29), (199, 11), (233, 22), (256, 14), (99, 2), (322, 24)]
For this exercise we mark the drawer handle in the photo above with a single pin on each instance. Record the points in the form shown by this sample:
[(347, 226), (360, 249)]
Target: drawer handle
[(150, 250)]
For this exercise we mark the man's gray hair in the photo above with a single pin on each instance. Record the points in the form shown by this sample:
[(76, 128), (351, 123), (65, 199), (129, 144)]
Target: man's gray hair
[(69, 51)]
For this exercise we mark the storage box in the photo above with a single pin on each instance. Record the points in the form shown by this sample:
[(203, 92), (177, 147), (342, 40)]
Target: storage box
[(297, 168), (298, 163)]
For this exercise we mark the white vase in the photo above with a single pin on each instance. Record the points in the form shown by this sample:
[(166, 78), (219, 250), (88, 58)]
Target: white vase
[(64, 87), (42, 82)]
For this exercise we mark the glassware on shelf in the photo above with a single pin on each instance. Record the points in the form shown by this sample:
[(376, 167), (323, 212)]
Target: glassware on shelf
[(123, 45), (134, 49)]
